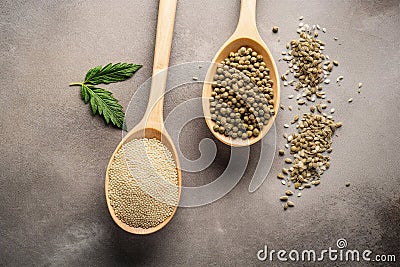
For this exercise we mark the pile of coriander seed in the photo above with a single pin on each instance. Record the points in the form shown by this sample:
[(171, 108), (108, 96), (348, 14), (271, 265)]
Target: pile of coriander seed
[(242, 101), (311, 142)]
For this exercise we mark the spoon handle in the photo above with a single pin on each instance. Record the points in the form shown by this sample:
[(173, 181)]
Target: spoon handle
[(247, 25), (162, 51)]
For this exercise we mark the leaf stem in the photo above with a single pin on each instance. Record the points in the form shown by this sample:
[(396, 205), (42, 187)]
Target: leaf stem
[(75, 84)]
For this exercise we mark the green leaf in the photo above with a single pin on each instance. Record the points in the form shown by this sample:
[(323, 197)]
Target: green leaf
[(105, 104), (85, 94), (111, 73)]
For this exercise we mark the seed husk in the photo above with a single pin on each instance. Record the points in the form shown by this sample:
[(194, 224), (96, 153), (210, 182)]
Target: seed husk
[(280, 176), (350, 100), (347, 184), (285, 206)]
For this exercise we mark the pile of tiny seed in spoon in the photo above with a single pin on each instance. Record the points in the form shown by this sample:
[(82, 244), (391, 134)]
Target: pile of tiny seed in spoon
[(313, 139), (143, 183), (242, 99)]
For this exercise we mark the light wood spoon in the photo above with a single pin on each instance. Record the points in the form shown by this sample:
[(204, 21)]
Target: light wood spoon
[(246, 34), (152, 125)]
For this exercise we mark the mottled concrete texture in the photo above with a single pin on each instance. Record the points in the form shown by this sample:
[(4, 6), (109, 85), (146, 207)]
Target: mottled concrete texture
[(54, 153)]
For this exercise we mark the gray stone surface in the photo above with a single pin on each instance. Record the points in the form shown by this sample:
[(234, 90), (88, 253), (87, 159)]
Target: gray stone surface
[(54, 153)]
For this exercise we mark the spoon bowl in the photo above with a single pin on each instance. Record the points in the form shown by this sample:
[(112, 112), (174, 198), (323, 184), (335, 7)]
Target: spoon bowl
[(152, 125), (148, 132), (246, 34)]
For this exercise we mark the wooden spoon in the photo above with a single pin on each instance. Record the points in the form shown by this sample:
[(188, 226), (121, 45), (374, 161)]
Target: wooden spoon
[(246, 34), (152, 125)]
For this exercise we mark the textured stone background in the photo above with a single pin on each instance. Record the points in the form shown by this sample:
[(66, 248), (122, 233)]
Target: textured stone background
[(54, 153)]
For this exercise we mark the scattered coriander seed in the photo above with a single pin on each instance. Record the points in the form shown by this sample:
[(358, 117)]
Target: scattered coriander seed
[(283, 182), (290, 203), (288, 160), (299, 194), (194, 78), (289, 192), (297, 185), (283, 198), (280, 176), (286, 125), (350, 100), (332, 110), (301, 18), (275, 29), (285, 206), (281, 152), (335, 62)]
